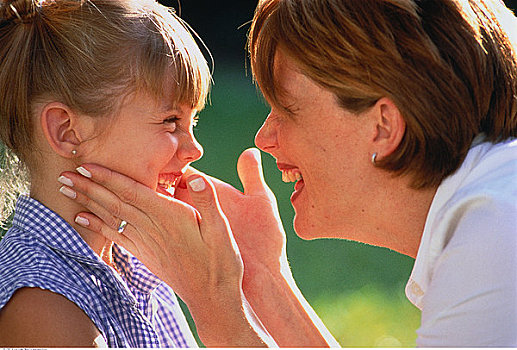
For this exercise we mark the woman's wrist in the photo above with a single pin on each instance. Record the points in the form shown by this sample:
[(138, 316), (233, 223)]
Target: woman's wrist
[(227, 320), (283, 310)]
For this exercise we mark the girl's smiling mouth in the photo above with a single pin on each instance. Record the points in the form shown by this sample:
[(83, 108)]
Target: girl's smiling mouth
[(167, 182)]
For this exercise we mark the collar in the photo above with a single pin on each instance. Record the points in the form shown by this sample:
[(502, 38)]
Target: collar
[(52, 230), (434, 237)]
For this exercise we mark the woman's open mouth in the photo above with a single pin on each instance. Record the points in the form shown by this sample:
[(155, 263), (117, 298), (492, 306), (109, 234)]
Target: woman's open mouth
[(291, 174)]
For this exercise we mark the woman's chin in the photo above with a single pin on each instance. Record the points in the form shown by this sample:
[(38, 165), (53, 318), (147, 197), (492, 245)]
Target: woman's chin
[(304, 228)]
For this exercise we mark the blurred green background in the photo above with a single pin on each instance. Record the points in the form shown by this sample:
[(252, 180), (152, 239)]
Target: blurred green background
[(357, 290)]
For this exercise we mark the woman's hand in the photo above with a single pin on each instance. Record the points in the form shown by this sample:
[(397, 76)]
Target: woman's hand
[(267, 283), (253, 216), (192, 250)]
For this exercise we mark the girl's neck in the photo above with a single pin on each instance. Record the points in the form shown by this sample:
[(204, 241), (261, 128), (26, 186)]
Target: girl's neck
[(45, 189)]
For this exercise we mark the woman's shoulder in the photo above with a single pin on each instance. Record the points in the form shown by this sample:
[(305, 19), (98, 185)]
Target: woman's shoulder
[(486, 180)]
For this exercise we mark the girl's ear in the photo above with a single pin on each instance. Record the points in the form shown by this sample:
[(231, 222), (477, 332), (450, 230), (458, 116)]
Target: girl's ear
[(60, 126)]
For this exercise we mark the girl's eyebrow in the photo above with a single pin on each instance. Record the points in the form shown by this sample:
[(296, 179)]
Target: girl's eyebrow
[(169, 108)]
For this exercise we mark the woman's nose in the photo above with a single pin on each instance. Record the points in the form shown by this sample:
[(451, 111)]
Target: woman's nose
[(266, 138), (190, 150)]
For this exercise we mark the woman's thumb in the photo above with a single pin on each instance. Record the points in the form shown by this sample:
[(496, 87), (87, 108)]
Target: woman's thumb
[(249, 168)]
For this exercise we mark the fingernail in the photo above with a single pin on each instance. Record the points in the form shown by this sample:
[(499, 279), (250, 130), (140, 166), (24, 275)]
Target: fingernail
[(68, 192), (82, 221), (84, 172), (197, 185), (65, 181)]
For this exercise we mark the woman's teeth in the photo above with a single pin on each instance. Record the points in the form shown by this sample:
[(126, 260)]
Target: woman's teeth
[(291, 175)]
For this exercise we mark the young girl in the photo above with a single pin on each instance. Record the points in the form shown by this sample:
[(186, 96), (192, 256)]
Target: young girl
[(112, 82)]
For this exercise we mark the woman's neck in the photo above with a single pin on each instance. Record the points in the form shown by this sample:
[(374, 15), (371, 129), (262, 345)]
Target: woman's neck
[(403, 214), (45, 189)]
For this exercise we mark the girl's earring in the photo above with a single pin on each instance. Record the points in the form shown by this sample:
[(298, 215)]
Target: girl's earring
[(74, 152)]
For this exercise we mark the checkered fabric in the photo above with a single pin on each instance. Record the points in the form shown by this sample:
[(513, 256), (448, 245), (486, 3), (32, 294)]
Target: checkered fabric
[(132, 308)]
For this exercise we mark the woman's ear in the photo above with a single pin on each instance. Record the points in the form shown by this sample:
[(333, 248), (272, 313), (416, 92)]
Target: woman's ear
[(60, 127), (390, 128)]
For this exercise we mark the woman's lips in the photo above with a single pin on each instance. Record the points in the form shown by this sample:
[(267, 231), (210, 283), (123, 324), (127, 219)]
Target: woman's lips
[(292, 174), (298, 187), (289, 173)]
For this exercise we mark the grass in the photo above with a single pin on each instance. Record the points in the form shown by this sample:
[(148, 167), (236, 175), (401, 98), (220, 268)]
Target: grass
[(357, 290)]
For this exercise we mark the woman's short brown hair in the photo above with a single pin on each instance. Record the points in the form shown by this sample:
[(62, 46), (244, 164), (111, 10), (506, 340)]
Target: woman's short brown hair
[(448, 65)]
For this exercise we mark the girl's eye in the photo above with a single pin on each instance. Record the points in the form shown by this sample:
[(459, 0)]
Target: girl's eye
[(171, 122)]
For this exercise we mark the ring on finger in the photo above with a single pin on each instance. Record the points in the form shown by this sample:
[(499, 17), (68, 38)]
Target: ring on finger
[(122, 226)]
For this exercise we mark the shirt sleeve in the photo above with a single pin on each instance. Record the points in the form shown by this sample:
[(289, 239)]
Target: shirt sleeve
[(472, 296)]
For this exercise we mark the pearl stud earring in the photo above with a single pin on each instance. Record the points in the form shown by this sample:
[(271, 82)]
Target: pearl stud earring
[(74, 152)]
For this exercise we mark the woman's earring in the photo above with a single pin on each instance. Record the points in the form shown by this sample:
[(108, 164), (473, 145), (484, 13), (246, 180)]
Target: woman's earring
[(373, 158), (74, 152)]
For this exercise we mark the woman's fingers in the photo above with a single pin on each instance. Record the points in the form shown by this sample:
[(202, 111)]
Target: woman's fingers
[(99, 200), (111, 209), (95, 224), (127, 189), (214, 225)]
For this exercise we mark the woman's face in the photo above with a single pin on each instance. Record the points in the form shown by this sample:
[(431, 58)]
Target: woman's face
[(149, 141), (326, 146)]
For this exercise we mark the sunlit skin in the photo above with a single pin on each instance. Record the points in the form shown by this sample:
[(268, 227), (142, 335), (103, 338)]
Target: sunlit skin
[(147, 140), (341, 194)]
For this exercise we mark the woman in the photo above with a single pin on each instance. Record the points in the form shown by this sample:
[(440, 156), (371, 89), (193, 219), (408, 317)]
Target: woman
[(92, 81), (397, 121)]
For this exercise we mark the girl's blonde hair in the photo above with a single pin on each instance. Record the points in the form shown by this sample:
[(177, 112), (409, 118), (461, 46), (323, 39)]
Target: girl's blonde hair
[(449, 66), (89, 54)]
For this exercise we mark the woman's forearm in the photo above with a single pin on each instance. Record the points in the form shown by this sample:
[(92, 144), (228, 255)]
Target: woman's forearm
[(283, 310)]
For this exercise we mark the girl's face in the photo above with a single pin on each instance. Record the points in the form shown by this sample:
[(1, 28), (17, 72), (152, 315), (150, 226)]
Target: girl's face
[(150, 141)]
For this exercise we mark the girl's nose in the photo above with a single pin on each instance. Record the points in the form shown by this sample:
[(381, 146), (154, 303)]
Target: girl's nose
[(190, 150)]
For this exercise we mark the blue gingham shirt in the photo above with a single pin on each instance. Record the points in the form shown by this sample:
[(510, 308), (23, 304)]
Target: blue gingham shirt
[(131, 309)]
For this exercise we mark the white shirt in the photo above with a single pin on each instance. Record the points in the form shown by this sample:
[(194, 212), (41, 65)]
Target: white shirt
[(465, 275)]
